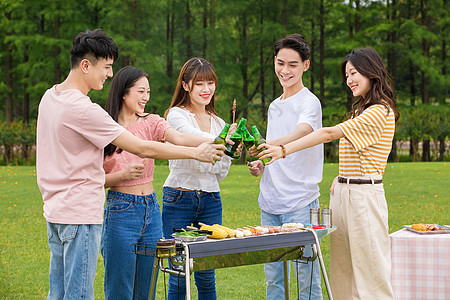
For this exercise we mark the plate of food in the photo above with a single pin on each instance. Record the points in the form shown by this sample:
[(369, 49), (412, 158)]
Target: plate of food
[(428, 228), (190, 235)]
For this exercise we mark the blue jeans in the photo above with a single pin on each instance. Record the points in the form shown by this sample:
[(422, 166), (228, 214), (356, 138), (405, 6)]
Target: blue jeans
[(304, 271), (73, 260), (129, 219), (184, 208)]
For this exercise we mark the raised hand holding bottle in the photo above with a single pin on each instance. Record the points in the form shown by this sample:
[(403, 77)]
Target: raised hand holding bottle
[(259, 140), (236, 137), (249, 141), (221, 138)]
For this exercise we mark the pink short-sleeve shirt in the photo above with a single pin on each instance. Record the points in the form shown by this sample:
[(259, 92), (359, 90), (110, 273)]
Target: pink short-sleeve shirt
[(71, 135), (150, 129)]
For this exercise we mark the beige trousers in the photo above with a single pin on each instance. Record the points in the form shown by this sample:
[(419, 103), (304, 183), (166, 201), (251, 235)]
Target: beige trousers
[(360, 252)]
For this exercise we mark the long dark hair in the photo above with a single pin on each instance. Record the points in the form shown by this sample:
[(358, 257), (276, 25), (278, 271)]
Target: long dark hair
[(121, 84), (194, 69), (368, 63)]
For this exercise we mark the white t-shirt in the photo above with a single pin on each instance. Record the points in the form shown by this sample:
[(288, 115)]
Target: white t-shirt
[(71, 135), (190, 173), (291, 183)]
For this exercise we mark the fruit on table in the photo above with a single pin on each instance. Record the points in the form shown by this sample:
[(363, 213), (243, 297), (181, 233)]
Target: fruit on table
[(419, 227), (426, 227)]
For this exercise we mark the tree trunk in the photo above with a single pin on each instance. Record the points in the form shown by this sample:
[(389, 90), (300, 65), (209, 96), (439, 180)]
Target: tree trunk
[(322, 51), (392, 57), (262, 65), (312, 52), (9, 76), (212, 26), (426, 150), (425, 79), (134, 10), (414, 147), (57, 51), (426, 52), (350, 24), (353, 29), (188, 30), (169, 41), (393, 153), (357, 17), (441, 147), (412, 86), (26, 95), (245, 64), (205, 29), (444, 93), (392, 63)]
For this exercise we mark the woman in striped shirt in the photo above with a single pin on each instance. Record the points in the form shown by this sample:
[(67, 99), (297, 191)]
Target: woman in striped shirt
[(360, 250)]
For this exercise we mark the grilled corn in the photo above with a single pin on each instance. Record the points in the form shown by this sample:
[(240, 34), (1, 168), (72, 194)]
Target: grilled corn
[(217, 233), (230, 232)]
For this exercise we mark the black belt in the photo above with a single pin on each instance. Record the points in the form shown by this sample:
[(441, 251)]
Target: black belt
[(358, 180)]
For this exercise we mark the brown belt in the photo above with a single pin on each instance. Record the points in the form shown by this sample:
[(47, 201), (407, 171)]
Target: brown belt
[(358, 181)]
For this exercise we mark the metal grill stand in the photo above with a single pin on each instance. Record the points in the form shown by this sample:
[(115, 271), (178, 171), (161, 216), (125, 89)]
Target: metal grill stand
[(232, 252)]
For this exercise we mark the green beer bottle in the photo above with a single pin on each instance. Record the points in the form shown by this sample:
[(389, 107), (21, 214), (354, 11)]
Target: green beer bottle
[(236, 137), (249, 141), (221, 138), (258, 141)]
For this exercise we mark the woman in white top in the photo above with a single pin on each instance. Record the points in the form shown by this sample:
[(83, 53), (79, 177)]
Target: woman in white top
[(191, 191)]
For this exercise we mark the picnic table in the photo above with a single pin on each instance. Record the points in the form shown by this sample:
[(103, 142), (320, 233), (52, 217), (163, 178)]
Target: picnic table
[(420, 265)]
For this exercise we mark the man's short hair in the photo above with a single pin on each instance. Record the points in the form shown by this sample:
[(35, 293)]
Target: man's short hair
[(94, 44), (295, 42)]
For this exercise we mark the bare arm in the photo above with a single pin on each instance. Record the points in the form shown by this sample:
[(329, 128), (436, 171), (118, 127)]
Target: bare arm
[(185, 139), (133, 172), (322, 135), (300, 131), (151, 149)]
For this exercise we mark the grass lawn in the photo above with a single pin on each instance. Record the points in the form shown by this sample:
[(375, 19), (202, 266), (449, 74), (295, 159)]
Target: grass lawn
[(416, 192)]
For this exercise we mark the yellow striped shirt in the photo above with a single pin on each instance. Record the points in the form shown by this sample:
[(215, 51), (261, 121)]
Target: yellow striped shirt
[(367, 143)]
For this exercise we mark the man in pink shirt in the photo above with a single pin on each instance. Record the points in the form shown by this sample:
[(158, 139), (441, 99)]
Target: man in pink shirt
[(72, 132)]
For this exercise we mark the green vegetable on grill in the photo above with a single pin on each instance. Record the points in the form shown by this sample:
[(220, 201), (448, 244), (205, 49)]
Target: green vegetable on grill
[(188, 233)]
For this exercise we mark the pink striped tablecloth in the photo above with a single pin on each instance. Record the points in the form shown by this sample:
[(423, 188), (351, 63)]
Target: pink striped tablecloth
[(420, 265)]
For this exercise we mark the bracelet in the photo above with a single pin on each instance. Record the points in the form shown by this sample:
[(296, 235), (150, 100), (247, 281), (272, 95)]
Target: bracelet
[(164, 137), (283, 151)]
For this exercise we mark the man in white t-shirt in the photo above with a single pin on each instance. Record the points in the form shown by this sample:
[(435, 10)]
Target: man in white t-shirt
[(71, 134), (289, 187)]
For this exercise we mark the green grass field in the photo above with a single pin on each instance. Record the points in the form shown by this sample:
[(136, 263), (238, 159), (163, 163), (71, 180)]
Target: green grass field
[(416, 192)]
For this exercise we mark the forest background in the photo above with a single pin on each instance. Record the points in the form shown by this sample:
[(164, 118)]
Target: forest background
[(237, 36)]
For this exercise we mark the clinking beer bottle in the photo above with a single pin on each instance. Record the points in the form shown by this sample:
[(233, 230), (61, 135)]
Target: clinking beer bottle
[(236, 137), (249, 141), (221, 138), (258, 141)]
